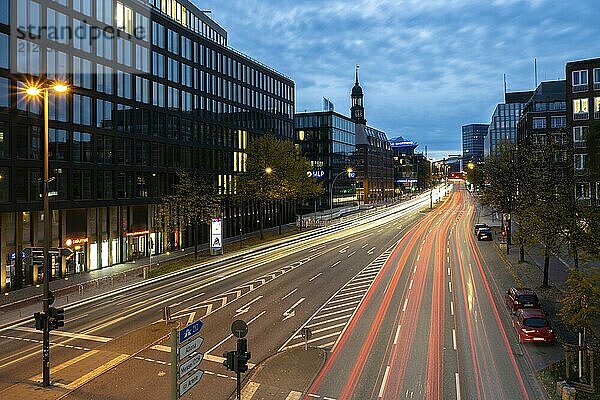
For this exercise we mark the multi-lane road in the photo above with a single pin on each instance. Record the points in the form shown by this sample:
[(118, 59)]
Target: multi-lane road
[(400, 299)]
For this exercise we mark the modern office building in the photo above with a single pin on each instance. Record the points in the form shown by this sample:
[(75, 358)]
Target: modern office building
[(583, 119), (473, 142), (503, 126), (153, 88), (328, 140), (411, 169)]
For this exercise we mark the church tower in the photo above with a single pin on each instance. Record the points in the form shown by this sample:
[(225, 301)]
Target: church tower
[(357, 112)]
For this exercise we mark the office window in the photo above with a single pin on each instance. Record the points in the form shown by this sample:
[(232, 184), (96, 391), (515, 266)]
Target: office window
[(104, 79), (58, 26), (82, 73), (28, 141), (4, 51), (104, 149), (172, 41), (58, 140), (4, 140), (83, 6), (580, 78), (158, 35), (104, 111), (82, 110), (158, 94), (4, 93), (82, 184), (124, 83), (142, 90), (558, 122), (124, 18), (58, 106), (104, 11), (142, 27), (81, 149), (104, 185), (4, 12), (142, 58), (158, 64), (4, 182), (124, 54), (104, 45), (29, 16), (56, 64), (82, 37), (580, 161), (173, 70), (28, 57)]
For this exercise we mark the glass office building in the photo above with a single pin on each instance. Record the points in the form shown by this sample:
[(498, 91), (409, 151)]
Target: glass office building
[(503, 126), (154, 88)]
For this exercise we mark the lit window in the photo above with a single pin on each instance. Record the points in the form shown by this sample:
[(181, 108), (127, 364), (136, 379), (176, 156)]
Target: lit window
[(597, 104), (539, 123), (124, 18), (580, 106), (558, 122)]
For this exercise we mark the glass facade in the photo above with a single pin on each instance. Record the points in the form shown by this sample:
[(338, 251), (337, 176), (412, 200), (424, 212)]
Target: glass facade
[(473, 139)]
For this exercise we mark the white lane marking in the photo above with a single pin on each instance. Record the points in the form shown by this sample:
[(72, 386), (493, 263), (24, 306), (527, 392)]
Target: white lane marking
[(365, 245), (188, 299), (230, 336), (336, 264), (71, 335), (291, 312), (448, 260), (316, 249), (397, 334), (192, 317), (411, 284), (450, 286), (353, 296), (249, 390), (383, 383), (371, 251), (418, 258), (351, 254), (415, 270), (454, 338), (246, 308), (452, 308), (334, 313), (344, 249), (340, 305), (289, 294), (405, 304), (345, 316), (457, 387), (315, 277), (294, 395), (448, 271)]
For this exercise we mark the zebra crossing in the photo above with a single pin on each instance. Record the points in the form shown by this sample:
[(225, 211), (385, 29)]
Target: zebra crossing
[(329, 322)]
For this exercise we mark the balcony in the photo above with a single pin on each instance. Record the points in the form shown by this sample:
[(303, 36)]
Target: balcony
[(580, 144), (581, 116), (597, 86), (580, 88)]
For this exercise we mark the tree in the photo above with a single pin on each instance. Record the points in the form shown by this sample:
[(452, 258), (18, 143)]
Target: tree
[(194, 201), (580, 305), (275, 172)]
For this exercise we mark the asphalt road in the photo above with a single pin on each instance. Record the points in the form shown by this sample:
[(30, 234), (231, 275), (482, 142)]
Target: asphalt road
[(432, 325), (110, 347)]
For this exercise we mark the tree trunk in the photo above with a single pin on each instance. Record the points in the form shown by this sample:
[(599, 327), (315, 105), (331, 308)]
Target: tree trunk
[(522, 250), (546, 268)]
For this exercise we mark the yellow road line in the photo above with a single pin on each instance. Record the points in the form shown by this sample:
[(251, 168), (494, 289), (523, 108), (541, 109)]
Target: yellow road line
[(97, 372), (66, 364)]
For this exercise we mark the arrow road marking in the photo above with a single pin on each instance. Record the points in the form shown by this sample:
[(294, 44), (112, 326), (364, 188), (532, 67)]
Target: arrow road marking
[(371, 251), (291, 312), (246, 308), (344, 249)]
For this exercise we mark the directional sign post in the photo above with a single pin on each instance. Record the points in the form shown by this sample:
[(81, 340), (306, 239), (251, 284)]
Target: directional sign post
[(185, 359)]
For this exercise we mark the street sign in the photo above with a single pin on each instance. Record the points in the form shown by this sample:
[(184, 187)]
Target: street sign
[(189, 365), (190, 382), (216, 236), (306, 333), (191, 347), (190, 331), (239, 329)]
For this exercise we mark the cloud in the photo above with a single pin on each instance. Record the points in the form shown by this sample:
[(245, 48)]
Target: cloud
[(427, 67)]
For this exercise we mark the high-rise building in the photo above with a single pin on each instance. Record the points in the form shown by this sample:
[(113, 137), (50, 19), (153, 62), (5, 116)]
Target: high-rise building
[(503, 126), (473, 140), (583, 120), (154, 88)]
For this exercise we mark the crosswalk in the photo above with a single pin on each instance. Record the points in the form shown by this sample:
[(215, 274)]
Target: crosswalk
[(329, 322)]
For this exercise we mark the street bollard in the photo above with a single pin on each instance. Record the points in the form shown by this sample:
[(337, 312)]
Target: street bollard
[(125, 277)]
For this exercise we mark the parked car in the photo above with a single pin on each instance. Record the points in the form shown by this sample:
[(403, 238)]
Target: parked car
[(519, 298), (533, 326), (479, 226), (484, 234)]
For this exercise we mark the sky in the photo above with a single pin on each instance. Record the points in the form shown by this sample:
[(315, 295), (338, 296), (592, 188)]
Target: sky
[(427, 66)]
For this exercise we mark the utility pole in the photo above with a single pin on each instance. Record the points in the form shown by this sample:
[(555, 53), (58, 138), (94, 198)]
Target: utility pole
[(47, 257)]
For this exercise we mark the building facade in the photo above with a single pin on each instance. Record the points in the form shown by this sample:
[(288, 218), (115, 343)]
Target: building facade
[(503, 126), (473, 142), (583, 121), (412, 170), (154, 88), (328, 140)]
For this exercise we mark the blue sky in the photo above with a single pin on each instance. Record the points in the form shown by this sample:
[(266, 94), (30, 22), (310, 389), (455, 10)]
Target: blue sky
[(427, 66)]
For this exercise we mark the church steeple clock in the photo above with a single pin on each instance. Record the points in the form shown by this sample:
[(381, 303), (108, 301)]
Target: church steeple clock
[(357, 112)]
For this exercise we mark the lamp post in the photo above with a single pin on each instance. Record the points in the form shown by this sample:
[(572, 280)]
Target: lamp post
[(33, 92), (347, 171)]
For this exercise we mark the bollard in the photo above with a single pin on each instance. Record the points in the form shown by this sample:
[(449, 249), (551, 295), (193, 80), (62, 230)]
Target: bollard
[(167, 315), (112, 280), (125, 277)]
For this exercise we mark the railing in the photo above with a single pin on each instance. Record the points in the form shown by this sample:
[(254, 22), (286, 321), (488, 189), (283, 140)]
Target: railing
[(581, 116), (596, 86), (580, 88), (597, 115), (580, 144)]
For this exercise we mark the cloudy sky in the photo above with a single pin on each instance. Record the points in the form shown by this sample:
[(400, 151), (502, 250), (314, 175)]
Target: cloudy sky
[(427, 66)]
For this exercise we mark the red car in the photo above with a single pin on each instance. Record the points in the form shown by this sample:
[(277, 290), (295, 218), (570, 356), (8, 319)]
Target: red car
[(518, 298), (533, 326)]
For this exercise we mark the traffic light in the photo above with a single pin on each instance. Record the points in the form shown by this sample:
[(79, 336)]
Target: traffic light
[(243, 355), (56, 318), (230, 360), (40, 321)]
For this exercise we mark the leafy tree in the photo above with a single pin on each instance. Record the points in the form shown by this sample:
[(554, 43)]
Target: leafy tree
[(580, 305), (275, 172), (194, 201)]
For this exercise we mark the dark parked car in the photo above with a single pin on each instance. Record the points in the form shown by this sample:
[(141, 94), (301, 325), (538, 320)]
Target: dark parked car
[(519, 298), (484, 234), (477, 227), (533, 326)]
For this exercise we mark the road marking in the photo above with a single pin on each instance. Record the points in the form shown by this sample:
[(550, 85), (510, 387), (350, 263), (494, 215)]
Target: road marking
[(371, 251), (352, 295), (60, 367), (457, 387), (383, 383), (71, 335), (418, 258), (342, 251), (315, 277), (249, 390), (405, 304), (397, 334), (334, 313), (448, 271), (351, 254), (246, 308), (454, 338), (289, 294), (97, 372), (192, 317), (452, 308), (366, 244), (415, 270), (291, 312), (293, 395), (345, 316), (336, 264), (450, 286)]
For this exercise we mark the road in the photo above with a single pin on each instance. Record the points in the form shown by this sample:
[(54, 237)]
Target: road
[(432, 326), (112, 347)]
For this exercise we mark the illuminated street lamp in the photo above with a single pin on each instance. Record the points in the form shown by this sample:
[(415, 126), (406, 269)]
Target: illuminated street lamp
[(347, 171), (34, 92)]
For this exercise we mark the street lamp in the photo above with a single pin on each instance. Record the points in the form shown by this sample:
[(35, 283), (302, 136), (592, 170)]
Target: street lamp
[(33, 92), (347, 171)]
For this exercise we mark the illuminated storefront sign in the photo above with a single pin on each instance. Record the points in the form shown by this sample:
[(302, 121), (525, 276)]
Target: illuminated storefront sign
[(138, 233), (76, 242)]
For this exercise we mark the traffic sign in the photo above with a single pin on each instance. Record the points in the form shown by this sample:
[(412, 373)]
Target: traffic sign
[(190, 382), (239, 329), (189, 331), (191, 347), (189, 365)]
